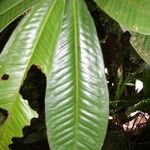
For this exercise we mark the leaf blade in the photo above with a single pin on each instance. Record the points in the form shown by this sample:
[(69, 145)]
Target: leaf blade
[(132, 14), (27, 46), (78, 57), (9, 10), (141, 43)]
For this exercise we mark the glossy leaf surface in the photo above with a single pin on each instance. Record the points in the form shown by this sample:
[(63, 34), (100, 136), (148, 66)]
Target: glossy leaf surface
[(61, 32), (77, 97), (134, 14), (10, 9), (31, 43)]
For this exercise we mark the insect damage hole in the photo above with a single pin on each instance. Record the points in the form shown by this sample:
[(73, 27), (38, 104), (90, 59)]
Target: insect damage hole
[(5, 77), (33, 88), (3, 116)]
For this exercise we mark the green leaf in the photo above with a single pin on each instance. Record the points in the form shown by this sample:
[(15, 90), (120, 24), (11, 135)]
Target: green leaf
[(11, 9), (31, 43), (61, 32), (76, 98), (133, 14), (142, 105), (146, 80), (141, 43)]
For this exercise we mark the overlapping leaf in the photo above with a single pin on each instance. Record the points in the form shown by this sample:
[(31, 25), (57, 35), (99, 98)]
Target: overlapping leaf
[(141, 43), (77, 98), (10, 9), (134, 14), (31, 43)]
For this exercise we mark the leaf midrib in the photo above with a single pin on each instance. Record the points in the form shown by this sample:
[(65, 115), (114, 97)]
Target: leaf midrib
[(76, 34)]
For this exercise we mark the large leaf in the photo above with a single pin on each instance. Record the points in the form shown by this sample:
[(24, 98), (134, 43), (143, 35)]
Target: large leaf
[(77, 98), (10, 9), (134, 14), (141, 43), (31, 43)]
